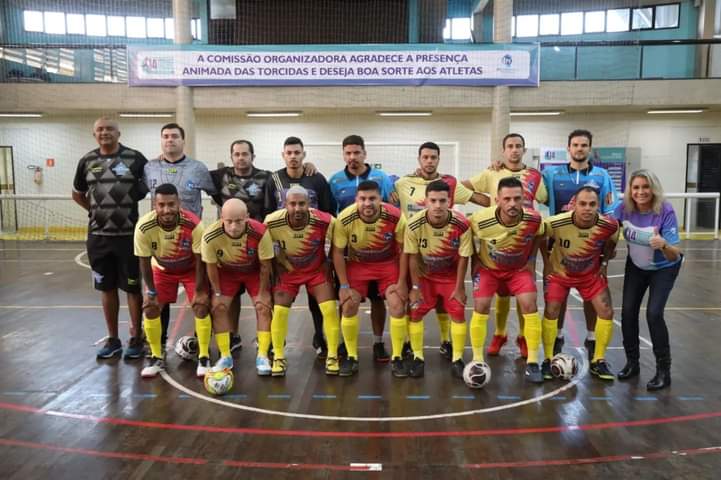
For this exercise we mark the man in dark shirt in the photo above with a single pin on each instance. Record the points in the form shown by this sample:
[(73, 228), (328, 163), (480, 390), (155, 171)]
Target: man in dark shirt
[(108, 184)]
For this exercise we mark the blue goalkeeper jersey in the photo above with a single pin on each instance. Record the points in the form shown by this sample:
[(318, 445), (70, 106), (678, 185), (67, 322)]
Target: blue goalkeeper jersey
[(563, 182), (343, 185)]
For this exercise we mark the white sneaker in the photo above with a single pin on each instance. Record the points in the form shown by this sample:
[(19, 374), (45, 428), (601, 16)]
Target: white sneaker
[(154, 367), (224, 363), (262, 366), (203, 367)]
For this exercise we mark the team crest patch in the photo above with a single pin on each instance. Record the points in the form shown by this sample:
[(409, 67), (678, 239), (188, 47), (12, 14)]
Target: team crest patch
[(455, 242), (120, 169), (388, 236), (251, 252), (185, 244)]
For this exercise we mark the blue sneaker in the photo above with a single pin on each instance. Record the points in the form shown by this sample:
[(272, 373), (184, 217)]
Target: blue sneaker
[(262, 366), (112, 347), (135, 348), (224, 363)]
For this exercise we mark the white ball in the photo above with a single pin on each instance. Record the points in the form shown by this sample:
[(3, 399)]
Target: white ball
[(187, 347), (476, 374), (564, 366)]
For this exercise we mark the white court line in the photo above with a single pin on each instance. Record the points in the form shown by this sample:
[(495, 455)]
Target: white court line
[(80, 262), (581, 374)]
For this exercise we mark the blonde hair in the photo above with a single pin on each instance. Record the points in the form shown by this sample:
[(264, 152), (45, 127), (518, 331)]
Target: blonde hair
[(656, 188)]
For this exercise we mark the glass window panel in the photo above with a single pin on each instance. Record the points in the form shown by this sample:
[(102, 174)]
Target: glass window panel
[(513, 26), (198, 32), (192, 29), (550, 24), (461, 28), (572, 23), (527, 26), (76, 23), (642, 18), (169, 28), (54, 22), (617, 20), (666, 16), (116, 26), (135, 26), (594, 22), (95, 25), (33, 21), (156, 28)]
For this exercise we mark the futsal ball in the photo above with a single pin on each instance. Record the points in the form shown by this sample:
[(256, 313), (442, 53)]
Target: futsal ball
[(187, 347), (476, 374), (564, 366), (218, 382)]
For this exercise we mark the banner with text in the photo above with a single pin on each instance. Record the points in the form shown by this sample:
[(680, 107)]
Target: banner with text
[(209, 65)]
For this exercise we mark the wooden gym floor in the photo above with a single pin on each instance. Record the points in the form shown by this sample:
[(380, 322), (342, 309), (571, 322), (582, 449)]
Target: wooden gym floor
[(63, 414)]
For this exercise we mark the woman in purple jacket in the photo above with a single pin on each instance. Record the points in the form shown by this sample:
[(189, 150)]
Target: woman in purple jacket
[(654, 260)]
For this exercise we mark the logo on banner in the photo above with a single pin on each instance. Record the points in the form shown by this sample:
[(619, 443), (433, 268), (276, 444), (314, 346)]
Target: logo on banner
[(506, 61), (158, 65)]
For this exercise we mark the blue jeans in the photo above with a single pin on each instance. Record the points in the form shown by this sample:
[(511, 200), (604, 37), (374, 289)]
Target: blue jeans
[(635, 283)]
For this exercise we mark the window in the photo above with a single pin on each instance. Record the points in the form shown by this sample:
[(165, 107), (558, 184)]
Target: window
[(527, 26), (572, 23), (458, 29), (666, 16), (33, 21), (549, 24), (617, 20), (594, 22), (95, 25), (195, 29), (513, 26), (135, 26), (76, 23), (116, 26), (54, 22), (642, 18), (169, 28), (156, 28)]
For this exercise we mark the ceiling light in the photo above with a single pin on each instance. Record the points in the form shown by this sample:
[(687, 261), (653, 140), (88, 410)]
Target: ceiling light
[(690, 110), (273, 114), (146, 115), (534, 114), (404, 114), (21, 115)]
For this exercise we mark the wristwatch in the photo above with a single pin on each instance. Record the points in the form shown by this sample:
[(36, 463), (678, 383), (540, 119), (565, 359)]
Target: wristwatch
[(344, 285), (416, 287), (152, 293)]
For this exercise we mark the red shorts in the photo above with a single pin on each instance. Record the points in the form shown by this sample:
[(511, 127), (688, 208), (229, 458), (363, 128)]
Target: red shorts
[(487, 283), (361, 274), (291, 282), (166, 284), (556, 288), (438, 291), (231, 282)]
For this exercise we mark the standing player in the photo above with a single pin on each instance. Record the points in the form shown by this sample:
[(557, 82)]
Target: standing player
[(438, 240), (411, 191), (508, 237), (300, 233), (167, 242), (562, 182), (583, 241), (372, 233), (108, 184), (514, 147), (238, 252), (344, 185), (189, 176)]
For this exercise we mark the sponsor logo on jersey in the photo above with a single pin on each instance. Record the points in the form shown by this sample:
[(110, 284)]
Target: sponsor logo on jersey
[(120, 169)]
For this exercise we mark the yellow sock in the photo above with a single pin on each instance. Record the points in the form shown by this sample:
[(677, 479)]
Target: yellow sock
[(263, 343), (223, 341), (503, 308), (398, 335), (279, 330), (444, 326), (350, 327), (604, 332), (331, 326), (478, 330), (532, 334), (203, 327), (521, 320), (549, 332), (415, 331), (458, 339), (153, 332)]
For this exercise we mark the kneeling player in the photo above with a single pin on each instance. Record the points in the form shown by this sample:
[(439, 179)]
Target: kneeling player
[(300, 233), (438, 241), (372, 232), (238, 252), (170, 236), (583, 241), (507, 238)]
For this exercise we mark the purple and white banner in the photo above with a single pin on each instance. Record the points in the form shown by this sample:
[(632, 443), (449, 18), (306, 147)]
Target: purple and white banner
[(319, 65)]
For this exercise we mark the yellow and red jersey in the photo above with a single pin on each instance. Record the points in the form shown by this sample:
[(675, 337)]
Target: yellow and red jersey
[(300, 250), (532, 180), (242, 254), (440, 248), (378, 241), (171, 250), (576, 251), (501, 247), (411, 191)]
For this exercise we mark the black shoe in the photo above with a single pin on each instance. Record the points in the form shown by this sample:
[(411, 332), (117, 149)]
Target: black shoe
[(321, 347), (398, 368), (661, 380), (457, 368), (602, 370), (533, 373), (558, 345), (111, 348), (342, 351), (590, 348), (630, 370), (380, 355), (348, 367), (136, 348), (446, 350), (407, 352), (236, 343), (417, 368), (546, 370)]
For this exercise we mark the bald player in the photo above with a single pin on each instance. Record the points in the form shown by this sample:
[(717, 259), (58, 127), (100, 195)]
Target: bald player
[(237, 251)]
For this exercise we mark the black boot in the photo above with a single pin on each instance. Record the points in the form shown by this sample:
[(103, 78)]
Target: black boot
[(661, 380), (629, 371)]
